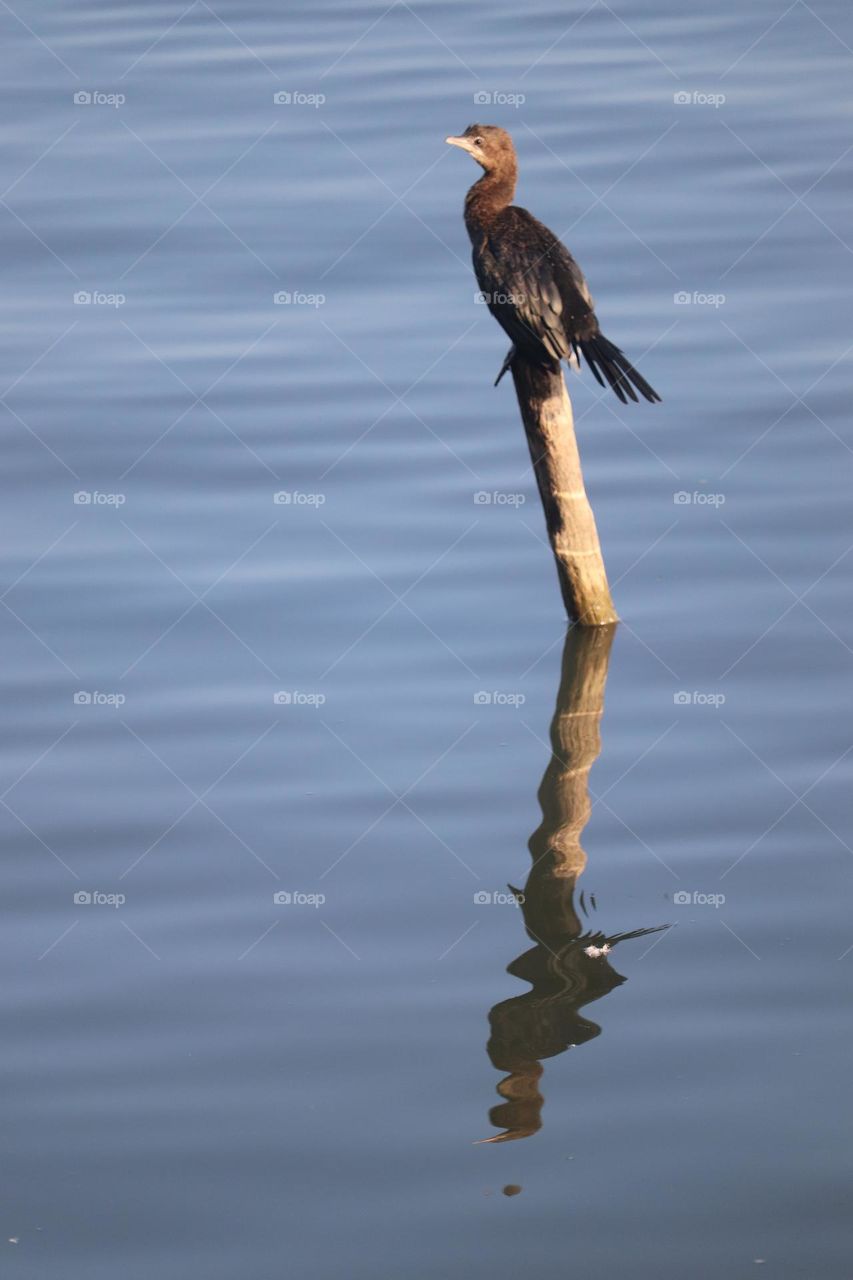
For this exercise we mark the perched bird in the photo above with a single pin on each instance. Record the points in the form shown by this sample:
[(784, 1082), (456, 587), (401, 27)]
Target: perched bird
[(532, 284)]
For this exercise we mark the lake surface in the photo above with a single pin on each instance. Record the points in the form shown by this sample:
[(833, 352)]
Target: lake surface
[(269, 766)]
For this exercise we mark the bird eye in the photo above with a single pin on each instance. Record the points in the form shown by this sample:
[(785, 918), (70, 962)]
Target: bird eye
[(478, 142)]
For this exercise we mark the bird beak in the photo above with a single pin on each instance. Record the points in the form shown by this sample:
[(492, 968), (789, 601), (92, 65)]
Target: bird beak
[(464, 143)]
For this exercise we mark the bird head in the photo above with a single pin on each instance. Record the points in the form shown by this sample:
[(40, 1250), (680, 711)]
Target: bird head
[(489, 145)]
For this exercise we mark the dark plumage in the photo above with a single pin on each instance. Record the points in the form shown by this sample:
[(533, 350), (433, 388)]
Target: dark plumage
[(532, 284)]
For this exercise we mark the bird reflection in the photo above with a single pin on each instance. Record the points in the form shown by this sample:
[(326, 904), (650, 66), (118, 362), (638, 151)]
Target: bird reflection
[(569, 966)]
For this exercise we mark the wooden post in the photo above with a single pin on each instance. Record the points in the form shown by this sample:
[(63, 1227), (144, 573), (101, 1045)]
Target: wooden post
[(546, 412)]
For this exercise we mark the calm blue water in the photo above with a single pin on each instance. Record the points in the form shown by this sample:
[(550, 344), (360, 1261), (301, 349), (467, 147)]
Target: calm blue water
[(203, 1081)]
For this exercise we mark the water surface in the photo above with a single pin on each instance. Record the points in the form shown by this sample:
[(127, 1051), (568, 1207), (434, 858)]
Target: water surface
[(212, 697)]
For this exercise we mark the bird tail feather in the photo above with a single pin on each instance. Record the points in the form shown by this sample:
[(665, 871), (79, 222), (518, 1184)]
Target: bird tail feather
[(605, 358)]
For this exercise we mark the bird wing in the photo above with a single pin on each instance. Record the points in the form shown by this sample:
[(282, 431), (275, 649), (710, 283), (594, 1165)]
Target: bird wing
[(533, 286)]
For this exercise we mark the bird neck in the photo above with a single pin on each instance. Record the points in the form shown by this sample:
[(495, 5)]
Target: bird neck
[(489, 196)]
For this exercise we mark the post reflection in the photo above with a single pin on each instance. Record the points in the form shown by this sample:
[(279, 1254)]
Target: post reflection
[(569, 966)]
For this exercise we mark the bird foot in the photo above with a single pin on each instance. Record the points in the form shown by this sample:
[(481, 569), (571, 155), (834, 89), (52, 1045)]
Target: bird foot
[(508, 359)]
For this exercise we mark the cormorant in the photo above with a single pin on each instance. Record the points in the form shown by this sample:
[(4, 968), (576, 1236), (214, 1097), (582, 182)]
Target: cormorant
[(532, 284)]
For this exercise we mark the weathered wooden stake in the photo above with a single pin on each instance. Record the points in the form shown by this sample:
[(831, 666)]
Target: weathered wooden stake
[(546, 412)]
